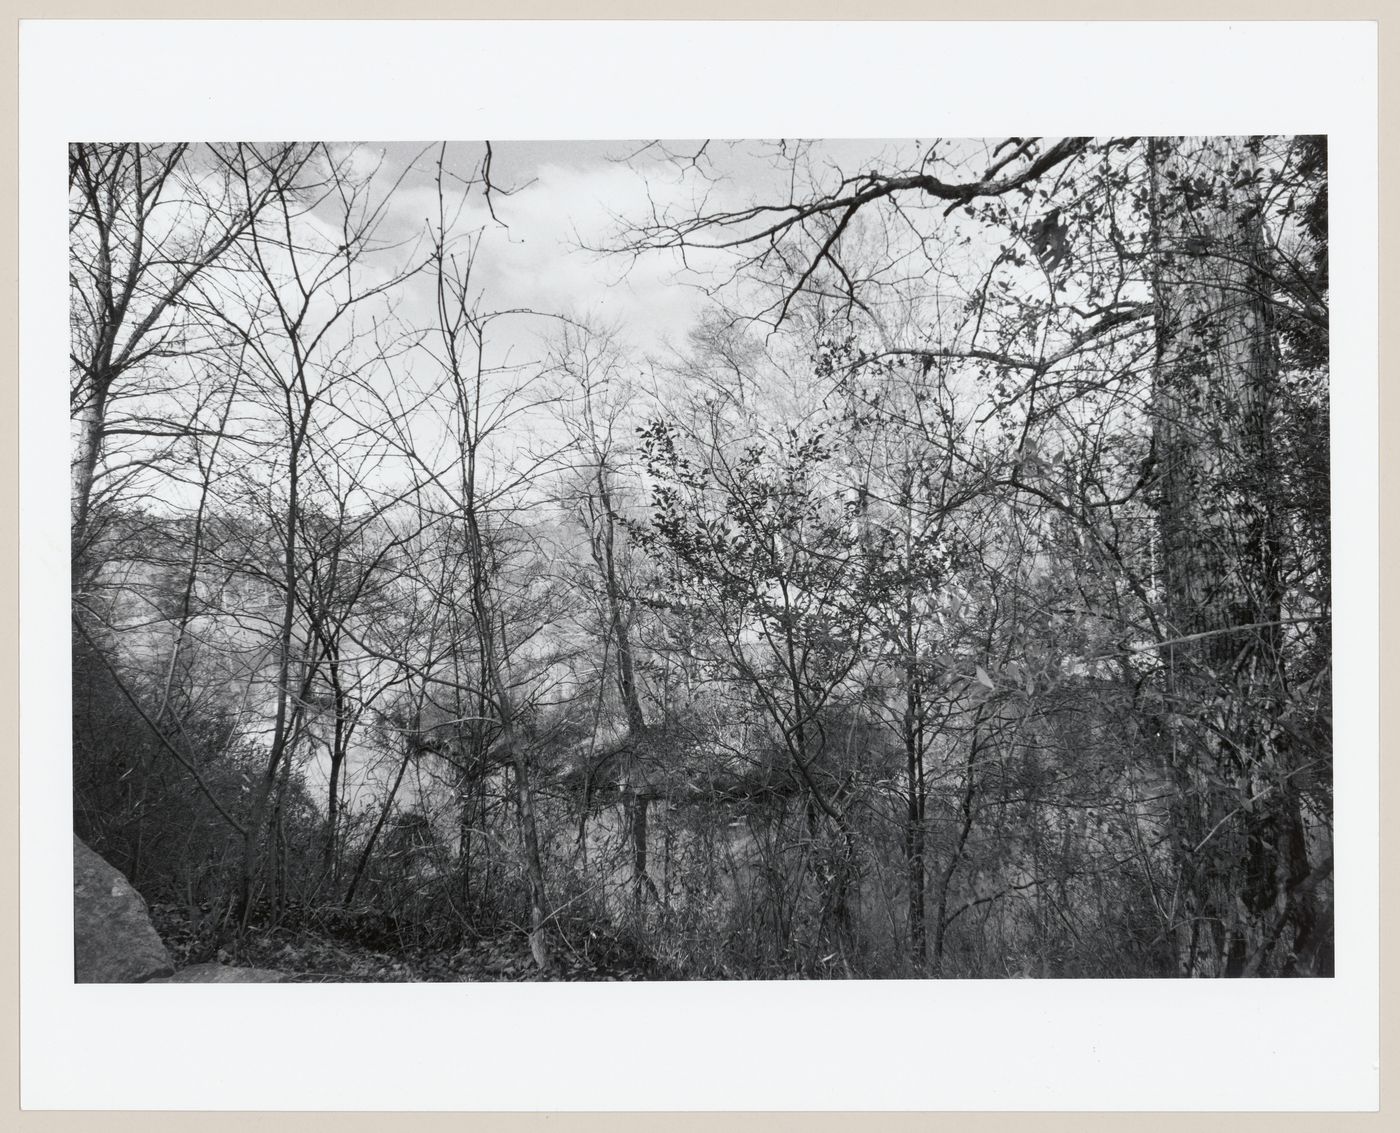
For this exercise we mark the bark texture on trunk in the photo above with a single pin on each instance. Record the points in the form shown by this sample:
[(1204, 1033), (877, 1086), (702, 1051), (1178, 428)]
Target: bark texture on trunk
[(1240, 845)]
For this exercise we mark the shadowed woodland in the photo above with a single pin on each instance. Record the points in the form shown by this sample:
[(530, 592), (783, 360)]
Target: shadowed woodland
[(949, 597)]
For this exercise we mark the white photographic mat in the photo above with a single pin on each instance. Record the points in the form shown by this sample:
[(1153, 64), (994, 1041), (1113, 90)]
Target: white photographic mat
[(895, 1045)]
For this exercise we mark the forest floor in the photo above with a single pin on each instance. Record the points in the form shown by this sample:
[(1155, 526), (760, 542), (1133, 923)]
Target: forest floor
[(308, 955)]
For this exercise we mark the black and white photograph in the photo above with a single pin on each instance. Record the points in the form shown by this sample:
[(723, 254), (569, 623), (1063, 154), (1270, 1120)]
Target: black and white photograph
[(717, 565), (701, 560)]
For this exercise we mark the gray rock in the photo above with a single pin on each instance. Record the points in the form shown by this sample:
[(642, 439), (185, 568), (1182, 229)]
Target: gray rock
[(113, 939), (223, 974)]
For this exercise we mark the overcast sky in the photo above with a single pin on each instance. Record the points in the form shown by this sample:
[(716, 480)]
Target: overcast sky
[(567, 198), (563, 199)]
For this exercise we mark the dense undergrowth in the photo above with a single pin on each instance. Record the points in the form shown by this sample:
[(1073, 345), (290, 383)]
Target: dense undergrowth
[(365, 947)]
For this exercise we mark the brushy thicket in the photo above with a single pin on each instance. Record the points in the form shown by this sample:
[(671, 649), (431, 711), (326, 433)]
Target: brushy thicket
[(973, 621)]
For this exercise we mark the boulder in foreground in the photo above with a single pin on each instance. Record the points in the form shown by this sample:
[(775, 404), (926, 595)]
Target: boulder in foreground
[(113, 939)]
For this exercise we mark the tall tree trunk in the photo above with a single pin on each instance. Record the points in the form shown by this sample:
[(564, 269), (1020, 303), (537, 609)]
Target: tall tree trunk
[(637, 799), (90, 418), (525, 799), (473, 780), (1241, 851), (409, 750), (495, 678), (282, 720), (914, 819), (941, 918), (340, 742), (641, 880)]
